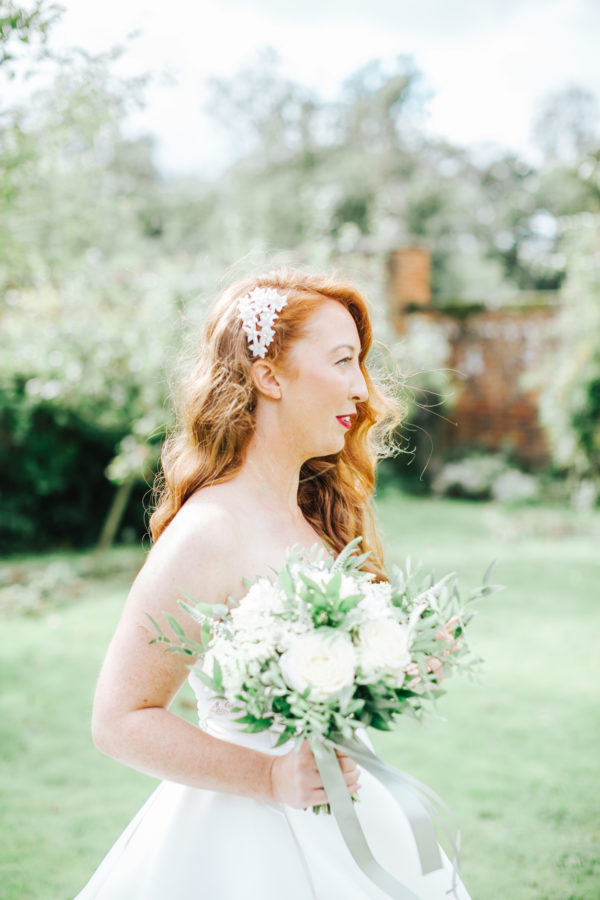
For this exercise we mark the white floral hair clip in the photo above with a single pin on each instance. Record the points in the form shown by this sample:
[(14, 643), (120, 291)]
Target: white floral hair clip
[(258, 311)]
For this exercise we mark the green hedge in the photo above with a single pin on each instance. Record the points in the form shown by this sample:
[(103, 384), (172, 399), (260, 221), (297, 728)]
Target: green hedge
[(53, 487)]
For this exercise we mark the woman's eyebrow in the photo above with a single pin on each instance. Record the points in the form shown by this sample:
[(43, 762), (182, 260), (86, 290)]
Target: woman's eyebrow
[(350, 347)]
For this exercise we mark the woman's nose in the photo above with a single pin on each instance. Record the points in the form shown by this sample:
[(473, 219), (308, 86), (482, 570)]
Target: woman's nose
[(359, 388)]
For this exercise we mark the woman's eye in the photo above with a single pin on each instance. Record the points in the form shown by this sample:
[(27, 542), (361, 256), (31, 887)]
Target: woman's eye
[(344, 360)]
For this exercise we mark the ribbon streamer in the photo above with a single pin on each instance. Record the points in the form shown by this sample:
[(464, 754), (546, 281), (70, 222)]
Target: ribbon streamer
[(403, 786), (417, 801)]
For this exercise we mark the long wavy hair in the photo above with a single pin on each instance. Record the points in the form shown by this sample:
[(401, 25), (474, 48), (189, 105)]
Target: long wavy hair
[(216, 416)]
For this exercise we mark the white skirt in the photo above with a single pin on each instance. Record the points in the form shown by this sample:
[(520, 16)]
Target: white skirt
[(192, 843)]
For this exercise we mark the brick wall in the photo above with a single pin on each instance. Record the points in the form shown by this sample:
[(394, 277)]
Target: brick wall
[(491, 349)]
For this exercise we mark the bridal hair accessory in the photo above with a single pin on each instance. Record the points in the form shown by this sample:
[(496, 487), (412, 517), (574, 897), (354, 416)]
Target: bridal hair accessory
[(258, 311)]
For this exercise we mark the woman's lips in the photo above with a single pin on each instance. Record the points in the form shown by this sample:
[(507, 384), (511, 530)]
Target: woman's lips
[(346, 421)]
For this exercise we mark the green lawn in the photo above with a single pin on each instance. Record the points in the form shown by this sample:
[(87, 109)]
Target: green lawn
[(516, 758)]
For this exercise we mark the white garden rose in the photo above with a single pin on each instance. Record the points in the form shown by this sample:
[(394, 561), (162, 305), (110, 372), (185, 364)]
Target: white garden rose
[(323, 660), (254, 613), (375, 604), (383, 650)]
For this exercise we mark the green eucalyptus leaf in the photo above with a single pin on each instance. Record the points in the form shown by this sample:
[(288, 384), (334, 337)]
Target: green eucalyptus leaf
[(350, 602), (332, 588), (207, 680), (285, 736), (176, 627), (217, 673), (489, 571)]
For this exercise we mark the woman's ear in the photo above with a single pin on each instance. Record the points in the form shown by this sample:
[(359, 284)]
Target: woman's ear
[(265, 379)]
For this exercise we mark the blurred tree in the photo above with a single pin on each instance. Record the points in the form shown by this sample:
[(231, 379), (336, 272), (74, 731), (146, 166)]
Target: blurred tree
[(70, 181), (265, 113), (519, 230), (354, 176), (567, 126), (91, 305), (311, 173), (567, 130), (569, 382), (21, 25)]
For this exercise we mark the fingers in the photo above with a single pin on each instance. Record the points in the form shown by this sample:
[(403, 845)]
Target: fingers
[(434, 665), (309, 782), (353, 784), (447, 635), (305, 753), (349, 768), (436, 668), (346, 764), (317, 797), (350, 771)]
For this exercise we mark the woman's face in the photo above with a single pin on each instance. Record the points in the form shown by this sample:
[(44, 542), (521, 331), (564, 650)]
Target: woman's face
[(322, 382)]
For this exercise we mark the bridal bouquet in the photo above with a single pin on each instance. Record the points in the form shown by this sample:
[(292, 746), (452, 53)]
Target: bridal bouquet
[(322, 649)]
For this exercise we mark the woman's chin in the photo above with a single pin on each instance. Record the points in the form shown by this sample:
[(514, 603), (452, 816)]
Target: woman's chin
[(334, 443), (332, 448)]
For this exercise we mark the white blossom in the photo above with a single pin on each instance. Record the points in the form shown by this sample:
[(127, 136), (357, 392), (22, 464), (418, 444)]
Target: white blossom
[(254, 613), (227, 656), (323, 660), (375, 604), (382, 651)]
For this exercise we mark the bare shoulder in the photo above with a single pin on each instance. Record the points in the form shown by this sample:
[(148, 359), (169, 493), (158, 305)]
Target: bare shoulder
[(204, 527), (196, 554)]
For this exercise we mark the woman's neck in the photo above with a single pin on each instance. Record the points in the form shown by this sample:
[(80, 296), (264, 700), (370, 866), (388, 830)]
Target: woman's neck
[(271, 472)]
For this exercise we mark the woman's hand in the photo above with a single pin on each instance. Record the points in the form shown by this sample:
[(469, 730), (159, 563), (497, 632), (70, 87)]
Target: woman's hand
[(295, 778), (435, 665), (446, 636)]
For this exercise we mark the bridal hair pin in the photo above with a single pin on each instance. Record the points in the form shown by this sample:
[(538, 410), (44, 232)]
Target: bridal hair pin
[(258, 311)]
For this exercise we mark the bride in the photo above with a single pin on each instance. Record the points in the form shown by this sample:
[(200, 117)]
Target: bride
[(279, 428)]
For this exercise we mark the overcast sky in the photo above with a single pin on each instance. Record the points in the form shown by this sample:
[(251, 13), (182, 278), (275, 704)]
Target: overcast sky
[(488, 63)]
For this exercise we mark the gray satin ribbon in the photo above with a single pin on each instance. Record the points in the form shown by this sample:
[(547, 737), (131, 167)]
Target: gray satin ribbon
[(417, 801)]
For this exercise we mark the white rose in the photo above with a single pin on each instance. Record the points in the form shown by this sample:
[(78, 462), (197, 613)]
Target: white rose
[(322, 660), (376, 604), (383, 650), (254, 612)]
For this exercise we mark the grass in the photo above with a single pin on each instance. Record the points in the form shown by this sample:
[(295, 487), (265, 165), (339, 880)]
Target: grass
[(516, 757)]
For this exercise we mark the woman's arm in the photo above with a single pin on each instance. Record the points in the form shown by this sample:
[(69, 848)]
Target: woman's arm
[(131, 721)]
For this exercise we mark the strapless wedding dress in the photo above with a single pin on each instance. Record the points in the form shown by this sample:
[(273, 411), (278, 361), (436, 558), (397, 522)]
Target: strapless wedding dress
[(204, 845)]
